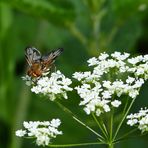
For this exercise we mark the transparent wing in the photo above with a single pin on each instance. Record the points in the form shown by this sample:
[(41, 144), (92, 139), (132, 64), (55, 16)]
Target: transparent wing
[(48, 60), (32, 55)]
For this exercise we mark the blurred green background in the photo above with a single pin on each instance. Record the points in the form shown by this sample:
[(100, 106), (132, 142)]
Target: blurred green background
[(84, 28)]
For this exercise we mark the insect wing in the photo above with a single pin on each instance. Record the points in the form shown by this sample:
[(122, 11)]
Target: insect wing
[(32, 55), (49, 59)]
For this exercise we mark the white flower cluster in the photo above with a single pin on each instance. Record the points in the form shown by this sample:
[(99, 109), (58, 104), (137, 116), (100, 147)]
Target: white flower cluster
[(125, 76), (53, 86), (44, 132), (139, 119)]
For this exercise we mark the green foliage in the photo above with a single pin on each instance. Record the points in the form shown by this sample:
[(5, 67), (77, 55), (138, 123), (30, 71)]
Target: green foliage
[(51, 11), (83, 28)]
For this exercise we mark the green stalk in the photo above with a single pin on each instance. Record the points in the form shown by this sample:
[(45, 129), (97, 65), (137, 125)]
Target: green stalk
[(125, 135), (103, 131), (65, 109), (74, 145), (126, 104), (111, 124), (111, 145), (120, 124)]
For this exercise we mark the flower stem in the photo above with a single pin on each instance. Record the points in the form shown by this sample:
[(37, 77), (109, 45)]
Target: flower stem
[(111, 145), (78, 120), (98, 123), (102, 138), (111, 124), (126, 104), (74, 145), (125, 135), (120, 124)]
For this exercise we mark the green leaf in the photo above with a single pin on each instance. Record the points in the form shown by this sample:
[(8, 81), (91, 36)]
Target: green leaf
[(56, 12)]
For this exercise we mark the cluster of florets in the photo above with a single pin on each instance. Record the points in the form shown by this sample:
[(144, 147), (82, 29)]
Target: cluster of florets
[(111, 77), (139, 120), (54, 86), (43, 132)]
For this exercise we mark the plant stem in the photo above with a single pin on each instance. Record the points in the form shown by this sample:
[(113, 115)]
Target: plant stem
[(120, 124), (102, 138), (111, 124), (111, 145), (103, 131), (126, 104), (78, 120), (125, 135), (74, 145)]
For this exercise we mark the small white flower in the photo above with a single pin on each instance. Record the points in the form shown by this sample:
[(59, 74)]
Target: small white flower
[(55, 122), (116, 54), (103, 56), (140, 71), (144, 120), (36, 89), (135, 60), (78, 76), (107, 84), (87, 110), (133, 93), (130, 80), (138, 83), (106, 108), (119, 56), (111, 63), (145, 58), (29, 125), (116, 103), (42, 140), (106, 95), (93, 61), (132, 122), (20, 133)]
